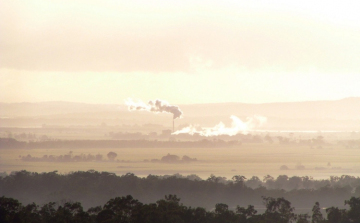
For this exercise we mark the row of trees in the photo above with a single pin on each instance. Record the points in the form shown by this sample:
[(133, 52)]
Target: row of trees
[(203, 143), (170, 210), (69, 158), (93, 188), (188, 141), (305, 182), (169, 158)]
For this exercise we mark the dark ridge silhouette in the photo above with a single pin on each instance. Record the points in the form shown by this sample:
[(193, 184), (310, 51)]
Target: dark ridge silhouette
[(128, 209), (94, 188)]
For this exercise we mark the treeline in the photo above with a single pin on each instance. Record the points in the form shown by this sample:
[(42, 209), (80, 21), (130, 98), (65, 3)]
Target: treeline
[(69, 157), (170, 210), (93, 188), (63, 158), (170, 158), (204, 143), (172, 142)]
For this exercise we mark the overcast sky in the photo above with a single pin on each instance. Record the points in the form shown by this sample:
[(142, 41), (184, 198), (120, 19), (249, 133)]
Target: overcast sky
[(181, 51)]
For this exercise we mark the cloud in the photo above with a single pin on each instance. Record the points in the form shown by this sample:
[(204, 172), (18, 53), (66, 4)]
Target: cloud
[(131, 37)]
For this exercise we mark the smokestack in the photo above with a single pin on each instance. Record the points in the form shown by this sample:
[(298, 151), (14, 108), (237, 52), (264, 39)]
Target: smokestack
[(157, 106)]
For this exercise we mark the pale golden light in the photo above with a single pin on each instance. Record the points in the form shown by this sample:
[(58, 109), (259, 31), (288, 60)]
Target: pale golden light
[(185, 52)]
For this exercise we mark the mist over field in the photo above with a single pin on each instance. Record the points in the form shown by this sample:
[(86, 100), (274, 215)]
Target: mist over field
[(317, 144), (93, 152), (179, 111)]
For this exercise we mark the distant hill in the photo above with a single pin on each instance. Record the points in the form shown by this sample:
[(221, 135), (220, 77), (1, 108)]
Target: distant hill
[(348, 108), (342, 115)]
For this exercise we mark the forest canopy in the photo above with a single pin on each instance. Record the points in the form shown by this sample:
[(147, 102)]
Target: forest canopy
[(168, 210), (93, 188)]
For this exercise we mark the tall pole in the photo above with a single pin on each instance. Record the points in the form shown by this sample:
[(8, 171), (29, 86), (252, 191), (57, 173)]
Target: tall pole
[(173, 126)]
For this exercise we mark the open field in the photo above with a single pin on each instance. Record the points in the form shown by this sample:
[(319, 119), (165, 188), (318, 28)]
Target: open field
[(258, 159)]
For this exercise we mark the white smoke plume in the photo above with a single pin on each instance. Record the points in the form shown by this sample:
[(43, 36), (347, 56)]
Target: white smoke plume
[(157, 106), (237, 126)]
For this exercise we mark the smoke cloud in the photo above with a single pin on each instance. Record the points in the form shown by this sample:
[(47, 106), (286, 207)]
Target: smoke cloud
[(157, 106), (237, 126)]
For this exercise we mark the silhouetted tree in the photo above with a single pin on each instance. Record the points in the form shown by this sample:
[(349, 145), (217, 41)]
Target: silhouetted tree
[(354, 212), (238, 179), (245, 213), (303, 218), (129, 210), (47, 212), (336, 215), (278, 210), (170, 210), (111, 155), (317, 216), (30, 213), (9, 210), (170, 158)]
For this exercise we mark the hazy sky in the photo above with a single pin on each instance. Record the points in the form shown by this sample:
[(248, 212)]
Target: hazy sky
[(181, 51)]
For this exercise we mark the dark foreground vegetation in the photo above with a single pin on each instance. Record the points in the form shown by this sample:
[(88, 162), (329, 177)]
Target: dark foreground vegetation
[(170, 210), (93, 188)]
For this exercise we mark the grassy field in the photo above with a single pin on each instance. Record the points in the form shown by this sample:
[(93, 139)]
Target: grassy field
[(247, 159)]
